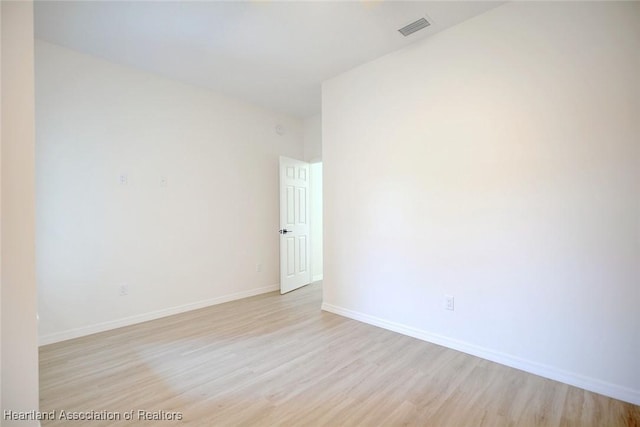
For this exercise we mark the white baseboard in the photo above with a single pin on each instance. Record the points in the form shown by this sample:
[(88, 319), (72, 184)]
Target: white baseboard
[(131, 320), (316, 278), (571, 378)]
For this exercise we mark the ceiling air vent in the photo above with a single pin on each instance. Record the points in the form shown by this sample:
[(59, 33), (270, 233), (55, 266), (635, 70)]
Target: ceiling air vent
[(414, 26)]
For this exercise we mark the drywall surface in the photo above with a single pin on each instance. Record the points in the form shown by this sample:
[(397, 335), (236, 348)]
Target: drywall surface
[(146, 186), (19, 388), (497, 162), (313, 138)]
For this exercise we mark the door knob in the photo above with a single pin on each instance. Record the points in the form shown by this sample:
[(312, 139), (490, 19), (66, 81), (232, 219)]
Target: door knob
[(285, 231)]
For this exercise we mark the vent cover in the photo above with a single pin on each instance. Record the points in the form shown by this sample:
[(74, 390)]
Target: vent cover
[(414, 26)]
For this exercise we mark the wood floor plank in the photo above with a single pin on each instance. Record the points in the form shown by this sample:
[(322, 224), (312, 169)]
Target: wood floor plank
[(277, 360)]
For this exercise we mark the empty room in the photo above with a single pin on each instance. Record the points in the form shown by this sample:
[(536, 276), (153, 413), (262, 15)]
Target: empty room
[(337, 213)]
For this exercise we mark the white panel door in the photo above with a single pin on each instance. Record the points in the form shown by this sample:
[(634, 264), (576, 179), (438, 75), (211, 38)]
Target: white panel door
[(294, 224)]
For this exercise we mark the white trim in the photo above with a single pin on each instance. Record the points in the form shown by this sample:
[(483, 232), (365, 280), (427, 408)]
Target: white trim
[(316, 278), (131, 320), (551, 372)]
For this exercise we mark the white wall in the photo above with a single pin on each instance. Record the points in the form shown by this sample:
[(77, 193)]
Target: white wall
[(498, 162), (315, 219), (312, 127), (18, 331), (196, 241)]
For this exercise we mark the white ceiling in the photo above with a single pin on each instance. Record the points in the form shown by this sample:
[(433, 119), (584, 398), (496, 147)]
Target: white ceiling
[(274, 54)]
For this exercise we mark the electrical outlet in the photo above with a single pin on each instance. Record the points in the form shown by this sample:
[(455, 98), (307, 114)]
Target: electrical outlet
[(164, 181), (258, 267), (448, 302), (123, 179), (124, 290)]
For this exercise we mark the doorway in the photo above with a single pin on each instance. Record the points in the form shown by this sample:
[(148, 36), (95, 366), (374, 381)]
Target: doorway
[(300, 223), (315, 204)]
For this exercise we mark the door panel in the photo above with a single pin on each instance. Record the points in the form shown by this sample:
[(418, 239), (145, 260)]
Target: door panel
[(294, 224)]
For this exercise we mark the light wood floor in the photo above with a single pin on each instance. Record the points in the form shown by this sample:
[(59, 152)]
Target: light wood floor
[(279, 360)]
